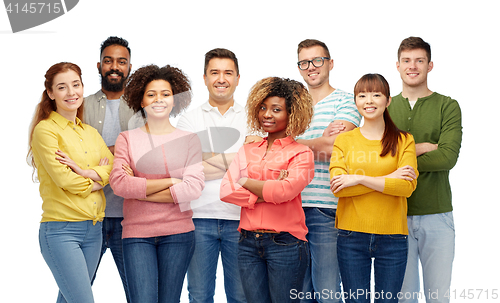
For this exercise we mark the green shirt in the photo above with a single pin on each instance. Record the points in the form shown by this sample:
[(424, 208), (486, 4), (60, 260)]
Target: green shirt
[(434, 119)]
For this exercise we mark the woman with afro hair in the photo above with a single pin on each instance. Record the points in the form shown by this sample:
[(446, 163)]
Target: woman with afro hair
[(158, 170), (266, 179)]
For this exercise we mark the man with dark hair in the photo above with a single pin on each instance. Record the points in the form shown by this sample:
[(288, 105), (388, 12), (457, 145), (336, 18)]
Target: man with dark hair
[(435, 121), (109, 114), (334, 112), (216, 222)]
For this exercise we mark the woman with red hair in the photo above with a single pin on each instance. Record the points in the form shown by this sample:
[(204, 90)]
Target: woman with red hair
[(73, 164)]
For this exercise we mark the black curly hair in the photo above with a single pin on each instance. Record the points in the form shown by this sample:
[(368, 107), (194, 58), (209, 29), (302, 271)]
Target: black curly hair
[(298, 102), (181, 87)]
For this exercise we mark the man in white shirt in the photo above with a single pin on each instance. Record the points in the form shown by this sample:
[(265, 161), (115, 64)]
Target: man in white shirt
[(221, 125)]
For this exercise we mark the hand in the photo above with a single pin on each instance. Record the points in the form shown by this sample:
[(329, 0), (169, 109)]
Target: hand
[(425, 147), (104, 161), (404, 173), (96, 186), (283, 175), (333, 128), (128, 170), (340, 182), (64, 159), (242, 181)]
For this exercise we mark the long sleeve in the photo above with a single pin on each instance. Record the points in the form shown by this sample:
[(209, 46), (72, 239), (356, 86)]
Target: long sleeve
[(450, 139), (406, 156), (45, 144), (230, 190), (300, 173), (122, 184), (66, 195), (192, 177)]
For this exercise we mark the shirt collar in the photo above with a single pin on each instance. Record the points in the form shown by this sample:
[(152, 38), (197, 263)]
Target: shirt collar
[(282, 142), (63, 122), (236, 107)]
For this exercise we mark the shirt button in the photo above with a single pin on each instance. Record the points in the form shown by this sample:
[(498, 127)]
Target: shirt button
[(100, 122), (409, 118)]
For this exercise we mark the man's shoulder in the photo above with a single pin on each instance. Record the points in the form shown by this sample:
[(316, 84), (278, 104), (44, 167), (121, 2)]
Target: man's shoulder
[(339, 94), (94, 97)]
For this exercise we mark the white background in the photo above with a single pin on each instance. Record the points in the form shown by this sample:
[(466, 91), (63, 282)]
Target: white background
[(363, 37)]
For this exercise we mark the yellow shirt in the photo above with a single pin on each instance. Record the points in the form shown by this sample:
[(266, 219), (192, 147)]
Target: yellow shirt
[(363, 209), (66, 195)]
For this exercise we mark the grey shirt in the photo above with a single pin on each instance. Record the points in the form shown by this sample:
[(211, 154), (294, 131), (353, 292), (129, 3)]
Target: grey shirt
[(97, 109)]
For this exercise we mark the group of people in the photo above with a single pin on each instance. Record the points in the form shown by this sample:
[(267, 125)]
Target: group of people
[(293, 192)]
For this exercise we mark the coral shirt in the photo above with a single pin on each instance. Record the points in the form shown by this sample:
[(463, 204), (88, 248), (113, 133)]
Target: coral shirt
[(282, 210)]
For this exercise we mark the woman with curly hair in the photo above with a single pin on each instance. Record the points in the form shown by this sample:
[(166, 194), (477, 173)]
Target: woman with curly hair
[(266, 179), (158, 170), (73, 164)]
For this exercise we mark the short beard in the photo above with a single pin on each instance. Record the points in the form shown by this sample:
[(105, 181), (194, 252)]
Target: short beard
[(110, 86)]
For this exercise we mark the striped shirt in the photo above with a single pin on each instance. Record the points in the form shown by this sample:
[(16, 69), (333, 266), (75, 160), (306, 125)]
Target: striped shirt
[(339, 105)]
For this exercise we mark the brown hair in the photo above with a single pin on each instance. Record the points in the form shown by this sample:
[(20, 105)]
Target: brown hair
[(313, 42), (221, 53), (181, 88), (46, 105), (377, 83), (299, 104), (412, 43)]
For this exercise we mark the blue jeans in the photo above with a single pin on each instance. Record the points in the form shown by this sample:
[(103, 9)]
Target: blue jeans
[(322, 280), (112, 239), (355, 251), (272, 266), (71, 250), (432, 240), (214, 236), (155, 267)]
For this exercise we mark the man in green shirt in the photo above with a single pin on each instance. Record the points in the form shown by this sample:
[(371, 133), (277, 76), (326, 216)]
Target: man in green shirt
[(435, 121)]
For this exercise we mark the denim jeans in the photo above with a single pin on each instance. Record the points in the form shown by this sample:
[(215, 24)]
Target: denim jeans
[(71, 250), (355, 251), (155, 267), (214, 236), (112, 239), (432, 240), (272, 266), (322, 280)]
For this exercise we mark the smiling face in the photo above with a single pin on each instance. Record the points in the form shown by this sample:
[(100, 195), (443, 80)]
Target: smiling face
[(67, 92), (371, 105), (158, 99), (315, 76), (221, 79), (273, 116), (114, 68), (413, 66)]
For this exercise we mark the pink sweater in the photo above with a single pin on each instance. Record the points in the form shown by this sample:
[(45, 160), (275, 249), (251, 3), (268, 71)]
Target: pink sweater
[(176, 155)]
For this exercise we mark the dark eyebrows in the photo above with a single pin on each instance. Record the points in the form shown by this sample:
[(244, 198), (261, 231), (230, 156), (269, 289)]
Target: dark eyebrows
[(109, 57)]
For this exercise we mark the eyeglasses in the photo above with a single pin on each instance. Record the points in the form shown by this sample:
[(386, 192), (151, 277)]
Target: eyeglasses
[(316, 62)]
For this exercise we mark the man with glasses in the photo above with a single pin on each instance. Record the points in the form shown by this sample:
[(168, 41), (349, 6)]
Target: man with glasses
[(334, 112)]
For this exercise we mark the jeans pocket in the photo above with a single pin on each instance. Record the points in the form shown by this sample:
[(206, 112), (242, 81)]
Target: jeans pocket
[(327, 212), (448, 219), (55, 225), (242, 236), (398, 237), (344, 233), (285, 239)]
